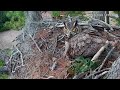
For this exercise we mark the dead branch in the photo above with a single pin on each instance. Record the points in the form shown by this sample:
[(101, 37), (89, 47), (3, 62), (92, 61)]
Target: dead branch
[(55, 44), (66, 76), (80, 75), (54, 65), (100, 75), (92, 21), (50, 77), (20, 56), (35, 44), (11, 57), (114, 36), (106, 58), (94, 73), (13, 71), (95, 57)]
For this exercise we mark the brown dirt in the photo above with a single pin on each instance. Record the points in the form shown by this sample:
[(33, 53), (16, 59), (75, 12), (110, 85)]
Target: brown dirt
[(7, 37)]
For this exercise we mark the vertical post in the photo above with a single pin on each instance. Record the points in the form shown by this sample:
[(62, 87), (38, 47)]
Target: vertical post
[(107, 17)]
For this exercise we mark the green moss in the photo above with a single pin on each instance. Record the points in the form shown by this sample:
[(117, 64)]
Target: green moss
[(3, 76)]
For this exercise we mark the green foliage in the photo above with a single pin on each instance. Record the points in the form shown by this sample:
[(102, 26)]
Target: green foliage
[(1, 63), (55, 13), (3, 19), (118, 20), (71, 13), (3, 76), (12, 20), (82, 64), (116, 12), (77, 13)]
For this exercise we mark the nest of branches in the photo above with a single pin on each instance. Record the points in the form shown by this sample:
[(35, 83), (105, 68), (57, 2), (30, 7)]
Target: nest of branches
[(87, 54)]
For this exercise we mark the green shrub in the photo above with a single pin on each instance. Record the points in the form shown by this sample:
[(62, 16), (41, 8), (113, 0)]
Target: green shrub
[(82, 64), (12, 20), (55, 13), (3, 19), (3, 75)]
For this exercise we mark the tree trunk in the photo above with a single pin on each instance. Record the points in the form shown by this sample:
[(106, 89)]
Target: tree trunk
[(114, 72), (32, 17), (99, 15)]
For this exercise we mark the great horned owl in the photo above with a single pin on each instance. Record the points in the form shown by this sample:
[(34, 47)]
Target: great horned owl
[(71, 27), (82, 43)]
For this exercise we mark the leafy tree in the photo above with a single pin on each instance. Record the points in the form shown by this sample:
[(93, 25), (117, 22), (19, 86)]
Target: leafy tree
[(11, 20)]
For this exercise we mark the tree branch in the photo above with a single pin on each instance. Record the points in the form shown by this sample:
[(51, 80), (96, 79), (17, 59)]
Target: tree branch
[(35, 44), (20, 55), (94, 73), (95, 57), (106, 58)]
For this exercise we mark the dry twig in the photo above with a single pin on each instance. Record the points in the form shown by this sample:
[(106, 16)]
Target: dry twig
[(100, 75), (94, 73), (80, 75), (20, 56), (95, 57), (35, 44), (54, 65)]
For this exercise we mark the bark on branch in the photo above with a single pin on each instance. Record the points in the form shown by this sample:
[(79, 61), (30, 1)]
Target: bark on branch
[(96, 56)]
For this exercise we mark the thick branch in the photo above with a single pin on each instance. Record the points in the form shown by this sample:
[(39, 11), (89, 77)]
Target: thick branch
[(96, 56)]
